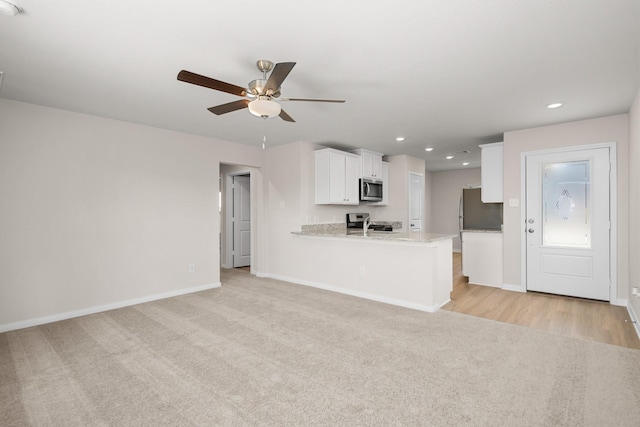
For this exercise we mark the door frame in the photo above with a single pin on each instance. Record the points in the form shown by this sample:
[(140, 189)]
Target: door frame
[(227, 258), (613, 211), (410, 199)]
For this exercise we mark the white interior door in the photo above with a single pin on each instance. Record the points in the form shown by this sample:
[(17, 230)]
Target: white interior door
[(568, 224), (241, 221), (416, 191)]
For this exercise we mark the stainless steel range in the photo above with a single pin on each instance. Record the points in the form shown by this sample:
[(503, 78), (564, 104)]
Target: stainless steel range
[(361, 222)]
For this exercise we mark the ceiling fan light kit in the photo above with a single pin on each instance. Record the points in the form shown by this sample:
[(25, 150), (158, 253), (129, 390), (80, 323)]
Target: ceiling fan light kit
[(7, 8), (264, 107), (259, 96)]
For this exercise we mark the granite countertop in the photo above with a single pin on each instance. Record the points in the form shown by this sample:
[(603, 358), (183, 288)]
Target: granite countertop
[(390, 236)]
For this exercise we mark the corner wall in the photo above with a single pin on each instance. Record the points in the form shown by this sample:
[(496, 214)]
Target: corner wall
[(600, 130)]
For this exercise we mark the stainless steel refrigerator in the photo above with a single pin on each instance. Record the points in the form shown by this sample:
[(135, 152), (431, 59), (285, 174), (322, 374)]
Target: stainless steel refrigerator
[(475, 215)]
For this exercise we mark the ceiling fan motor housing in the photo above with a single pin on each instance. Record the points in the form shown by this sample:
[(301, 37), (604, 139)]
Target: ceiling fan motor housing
[(256, 88)]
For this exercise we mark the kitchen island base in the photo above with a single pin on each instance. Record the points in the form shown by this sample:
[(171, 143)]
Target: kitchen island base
[(412, 272)]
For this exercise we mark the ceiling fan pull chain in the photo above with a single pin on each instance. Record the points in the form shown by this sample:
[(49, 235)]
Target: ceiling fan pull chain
[(264, 133)]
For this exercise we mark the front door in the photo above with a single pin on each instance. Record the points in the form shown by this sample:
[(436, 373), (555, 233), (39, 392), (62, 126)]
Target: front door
[(567, 224), (241, 221)]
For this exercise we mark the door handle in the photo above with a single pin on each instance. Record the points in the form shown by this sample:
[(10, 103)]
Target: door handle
[(531, 230)]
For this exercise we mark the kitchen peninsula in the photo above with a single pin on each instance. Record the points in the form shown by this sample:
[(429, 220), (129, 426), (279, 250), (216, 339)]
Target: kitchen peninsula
[(408, 269)]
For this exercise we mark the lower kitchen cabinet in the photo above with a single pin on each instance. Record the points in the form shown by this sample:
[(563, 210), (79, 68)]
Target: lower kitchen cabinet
[(482, 257)]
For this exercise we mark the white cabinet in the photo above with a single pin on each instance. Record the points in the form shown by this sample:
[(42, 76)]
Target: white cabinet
[(336, 174), (385, 186), (491, 172), (370, 162), (482, 257)]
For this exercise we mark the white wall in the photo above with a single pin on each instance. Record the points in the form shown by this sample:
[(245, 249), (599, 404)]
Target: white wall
[(446, 189), (634, 203), (96, 212), (600, 130)]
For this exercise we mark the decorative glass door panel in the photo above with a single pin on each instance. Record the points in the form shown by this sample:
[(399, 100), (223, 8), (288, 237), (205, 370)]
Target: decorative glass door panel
[(567, 224), (565, 203)]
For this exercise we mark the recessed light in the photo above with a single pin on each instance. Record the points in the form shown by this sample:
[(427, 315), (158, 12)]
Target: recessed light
[(428, 149), (10, 9), (400, 138), (554, 105), (450, 156), (465, 164)]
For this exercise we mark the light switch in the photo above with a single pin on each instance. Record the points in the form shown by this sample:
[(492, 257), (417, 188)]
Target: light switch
[(514, 203)]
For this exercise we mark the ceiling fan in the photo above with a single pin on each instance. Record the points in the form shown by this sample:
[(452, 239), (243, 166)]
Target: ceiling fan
[(259, 97)]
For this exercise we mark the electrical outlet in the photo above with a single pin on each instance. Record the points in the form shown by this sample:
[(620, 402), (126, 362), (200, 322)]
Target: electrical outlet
[(192, 268), (635, 291), (363, 271)]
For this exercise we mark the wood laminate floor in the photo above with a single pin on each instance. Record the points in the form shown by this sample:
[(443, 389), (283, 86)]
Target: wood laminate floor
[(575, 317)]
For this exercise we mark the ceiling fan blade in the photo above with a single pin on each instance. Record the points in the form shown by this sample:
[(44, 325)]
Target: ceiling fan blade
[(311, 99), (284, 116), (208, 82), (279, 73), (229, 107)]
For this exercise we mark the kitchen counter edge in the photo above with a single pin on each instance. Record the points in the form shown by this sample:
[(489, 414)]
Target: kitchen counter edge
[(404, 237)]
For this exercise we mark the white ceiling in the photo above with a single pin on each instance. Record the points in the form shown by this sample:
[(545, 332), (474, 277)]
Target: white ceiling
[(450, 74)]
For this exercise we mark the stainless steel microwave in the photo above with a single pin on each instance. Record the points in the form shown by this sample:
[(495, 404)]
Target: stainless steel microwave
[(371, 190)]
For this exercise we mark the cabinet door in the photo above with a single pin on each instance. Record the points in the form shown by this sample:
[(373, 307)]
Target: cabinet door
[(371, 164), (337, 178), (482, 258), (492, 172), (351, 174), (376, 166), (385, 185)]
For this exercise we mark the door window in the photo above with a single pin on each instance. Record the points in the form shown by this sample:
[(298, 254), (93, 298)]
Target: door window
[(566, 204)]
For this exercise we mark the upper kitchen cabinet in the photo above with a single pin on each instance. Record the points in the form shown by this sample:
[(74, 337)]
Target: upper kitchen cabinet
[(371, 163), (491, 172), (337, 174), (385, 186)]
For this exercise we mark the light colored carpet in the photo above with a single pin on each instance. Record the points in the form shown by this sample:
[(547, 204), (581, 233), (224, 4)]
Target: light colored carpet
[(262, 352)]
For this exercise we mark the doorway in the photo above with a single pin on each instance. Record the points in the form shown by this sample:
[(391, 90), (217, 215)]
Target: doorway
[(237, 213), (241, 220), (568, 232)]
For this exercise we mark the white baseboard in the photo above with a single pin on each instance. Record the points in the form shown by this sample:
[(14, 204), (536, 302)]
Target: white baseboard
[(373, 297), (619, 302), (98, 309), (634, 318), (514, 288)]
